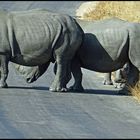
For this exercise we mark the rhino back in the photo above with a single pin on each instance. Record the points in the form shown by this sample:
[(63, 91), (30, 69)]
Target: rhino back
[(34, 30), (37, 32), (90, 26), (105, 43)]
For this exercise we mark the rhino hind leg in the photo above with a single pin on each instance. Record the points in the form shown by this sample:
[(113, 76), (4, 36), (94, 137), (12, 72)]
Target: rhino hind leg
[(107, 79), (132, 78), (120, 77), (4, 70), (77, 74), (133, 75), (76, 71), (118, 82)]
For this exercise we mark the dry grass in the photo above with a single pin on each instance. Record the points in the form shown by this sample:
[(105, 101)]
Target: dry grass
[(125, 10), (135, 91), (96, 10)]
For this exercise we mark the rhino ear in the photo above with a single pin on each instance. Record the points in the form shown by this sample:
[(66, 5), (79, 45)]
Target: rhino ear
[(31, 72)]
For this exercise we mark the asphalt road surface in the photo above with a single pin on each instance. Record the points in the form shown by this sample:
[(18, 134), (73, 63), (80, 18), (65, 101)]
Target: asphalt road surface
[(31, 111)]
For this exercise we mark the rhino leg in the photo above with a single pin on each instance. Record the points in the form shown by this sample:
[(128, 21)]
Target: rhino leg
[(120, 75), (4, 71), (62, 72), (133, 75), (68, 76), (119, 81), (77, 74), (107, 79), (132, 78), (55, 68)]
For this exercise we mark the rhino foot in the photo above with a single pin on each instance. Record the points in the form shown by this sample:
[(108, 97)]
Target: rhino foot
[(76, 89), (3, 85), (58, 89), (119, 85), (124, 91), (107, 82)]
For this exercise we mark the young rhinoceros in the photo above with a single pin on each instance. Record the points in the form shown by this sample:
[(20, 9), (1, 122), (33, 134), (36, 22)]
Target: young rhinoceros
[(35, 37)]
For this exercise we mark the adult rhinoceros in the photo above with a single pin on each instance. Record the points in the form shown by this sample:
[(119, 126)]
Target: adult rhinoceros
[(109, 56), (35, 37), (108, 45)]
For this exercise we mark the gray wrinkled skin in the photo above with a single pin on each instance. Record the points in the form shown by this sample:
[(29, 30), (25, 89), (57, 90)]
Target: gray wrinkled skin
[(36, 38), (108, 45)]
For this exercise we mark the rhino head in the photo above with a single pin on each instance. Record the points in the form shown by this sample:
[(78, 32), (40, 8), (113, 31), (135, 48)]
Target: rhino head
[(31, 74)]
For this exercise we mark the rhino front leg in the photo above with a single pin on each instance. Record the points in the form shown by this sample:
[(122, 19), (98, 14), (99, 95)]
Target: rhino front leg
[(68, 76), (62, 74), (4, 71)]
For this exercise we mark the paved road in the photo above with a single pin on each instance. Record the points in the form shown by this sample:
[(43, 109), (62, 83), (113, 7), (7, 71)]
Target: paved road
[(31, 111)]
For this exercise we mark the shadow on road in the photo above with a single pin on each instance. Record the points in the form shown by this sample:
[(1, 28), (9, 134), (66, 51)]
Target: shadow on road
[(87, 91), (33, 87), (107, 92)]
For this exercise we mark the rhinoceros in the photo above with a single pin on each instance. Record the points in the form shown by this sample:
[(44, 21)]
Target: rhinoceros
[(38, 37), (105, 49), (31, 74), (108, 45)]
